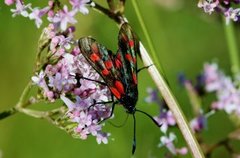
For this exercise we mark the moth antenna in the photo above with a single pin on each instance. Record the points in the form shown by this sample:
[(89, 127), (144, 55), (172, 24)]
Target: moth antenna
[(134, 135), (154, 121)]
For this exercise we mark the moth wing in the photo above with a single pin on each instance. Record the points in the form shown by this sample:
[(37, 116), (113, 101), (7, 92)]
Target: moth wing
[(128, 49), (102, 60)]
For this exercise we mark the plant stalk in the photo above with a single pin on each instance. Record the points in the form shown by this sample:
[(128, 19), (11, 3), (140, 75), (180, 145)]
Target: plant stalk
[(232, 47)]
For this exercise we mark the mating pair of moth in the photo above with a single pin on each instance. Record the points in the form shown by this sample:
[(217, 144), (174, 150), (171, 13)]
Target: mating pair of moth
[(119, 71)]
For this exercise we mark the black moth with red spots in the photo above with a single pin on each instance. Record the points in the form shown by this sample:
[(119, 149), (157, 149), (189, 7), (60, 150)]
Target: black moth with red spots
[(119, 71)]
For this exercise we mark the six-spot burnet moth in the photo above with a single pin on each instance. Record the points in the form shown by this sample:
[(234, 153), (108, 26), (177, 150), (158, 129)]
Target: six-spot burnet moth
[(119, 71)]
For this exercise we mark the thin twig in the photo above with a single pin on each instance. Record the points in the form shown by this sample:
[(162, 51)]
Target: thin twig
[(114, 16), (22, 100), (7, 113)]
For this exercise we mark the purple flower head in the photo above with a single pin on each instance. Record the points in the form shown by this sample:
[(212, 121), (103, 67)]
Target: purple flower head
[(21, 9), (83, 133), (37, 15), (212, 77), (153, 96), (228, 95), (102, 138), (232, 14), (62, 79), (59, 44), (208, 5), (168, 142), (63, 17), (199, 123), (165, 119), (80, 5)]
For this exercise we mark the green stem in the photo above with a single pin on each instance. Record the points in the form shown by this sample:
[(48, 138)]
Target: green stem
[(146, 34), (7, 113), (22, 100), (33, 113), (232, 47), (20, 104)]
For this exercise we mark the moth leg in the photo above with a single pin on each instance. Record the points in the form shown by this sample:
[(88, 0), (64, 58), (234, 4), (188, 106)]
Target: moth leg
[(101, 102), (145, 67), (113, 106), (102, 83), (106, 118)]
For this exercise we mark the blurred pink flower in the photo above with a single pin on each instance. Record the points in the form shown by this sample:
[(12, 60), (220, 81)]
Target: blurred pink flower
[(208, 5), (21, 9), (168, 142), (80, 5), (37, 15), (63, 17), (9, 2)]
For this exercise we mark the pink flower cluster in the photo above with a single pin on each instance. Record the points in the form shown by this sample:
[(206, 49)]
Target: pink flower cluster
[(166, 119), (167, 141), (56, 14), (223, 6), (62, 78), (227, 91)]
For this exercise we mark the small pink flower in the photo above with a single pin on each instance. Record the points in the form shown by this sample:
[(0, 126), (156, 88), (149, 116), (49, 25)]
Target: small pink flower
[(80, 5), (212, 77), (102, 138), (63, 17), (232, 14), (168, 142), (199, 123), (83, 133), (62, 79), (21, 9), (37, 15), (165, 119), (182, 151), (208, 5), (9, 2)]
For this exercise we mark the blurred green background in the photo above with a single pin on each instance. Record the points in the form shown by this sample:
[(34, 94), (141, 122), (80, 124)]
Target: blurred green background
[(184, 38)]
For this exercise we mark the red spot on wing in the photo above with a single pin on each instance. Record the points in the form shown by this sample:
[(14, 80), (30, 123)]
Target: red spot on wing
[(94, 57), (134, 60), (118, 63), (105, 72), (118, 56), (134, 76), (115, 92), (128, 57), (131, 43), (119, 86), (108, 64)]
